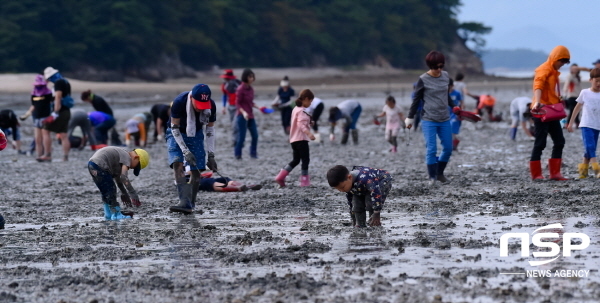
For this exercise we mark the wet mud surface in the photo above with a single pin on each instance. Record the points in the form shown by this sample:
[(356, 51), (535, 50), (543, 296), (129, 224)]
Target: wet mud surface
[(295, 244)]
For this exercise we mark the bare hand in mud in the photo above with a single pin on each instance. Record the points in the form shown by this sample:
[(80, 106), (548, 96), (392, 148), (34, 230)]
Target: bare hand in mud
[(375, 219), (126, 200)]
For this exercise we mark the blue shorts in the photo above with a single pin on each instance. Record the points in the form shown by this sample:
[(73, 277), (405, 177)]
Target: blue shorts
[(194, 144)]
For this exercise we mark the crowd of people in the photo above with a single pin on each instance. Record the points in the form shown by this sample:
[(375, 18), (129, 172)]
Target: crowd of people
[(187, 126)]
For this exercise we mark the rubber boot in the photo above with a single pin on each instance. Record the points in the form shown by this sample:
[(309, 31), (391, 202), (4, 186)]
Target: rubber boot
[(234, 188), (117, 215), (195, 184), (535, 167), (353, 218), (280, 179), (304, 180), (583, 170), (345, 138), (513, 134), (596, 169), (361, 219), (355, 136), (2, 222), (185, 199), (455, 144), (554, 167), (107, 212), (441, 166), (432, 171)]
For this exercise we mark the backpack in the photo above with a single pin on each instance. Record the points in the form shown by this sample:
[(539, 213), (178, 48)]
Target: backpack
[(232, 85)]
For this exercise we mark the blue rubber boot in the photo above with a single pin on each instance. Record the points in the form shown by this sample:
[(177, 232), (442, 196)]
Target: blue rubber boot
[(117, 215), (107, 212)]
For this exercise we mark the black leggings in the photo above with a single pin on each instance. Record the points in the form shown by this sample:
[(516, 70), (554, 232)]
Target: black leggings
[(542, 130), (571, 103), (301, 152), (316, 115)]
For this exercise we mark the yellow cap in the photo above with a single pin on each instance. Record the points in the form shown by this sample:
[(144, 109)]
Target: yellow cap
[(144, 160)]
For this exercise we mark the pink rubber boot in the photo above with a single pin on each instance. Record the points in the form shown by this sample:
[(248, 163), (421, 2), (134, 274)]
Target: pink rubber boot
[(304, 180), (280, 179)]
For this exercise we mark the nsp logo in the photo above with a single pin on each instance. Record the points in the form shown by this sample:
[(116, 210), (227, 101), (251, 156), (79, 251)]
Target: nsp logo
[(537, 241)]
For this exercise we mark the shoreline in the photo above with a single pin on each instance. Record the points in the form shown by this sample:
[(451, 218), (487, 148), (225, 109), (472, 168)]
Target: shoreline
[(327, 83)]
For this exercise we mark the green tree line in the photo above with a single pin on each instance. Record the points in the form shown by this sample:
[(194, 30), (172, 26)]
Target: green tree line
[(127, 34)]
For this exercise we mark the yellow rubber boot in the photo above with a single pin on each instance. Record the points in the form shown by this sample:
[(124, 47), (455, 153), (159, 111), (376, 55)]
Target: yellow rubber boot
[(596, 168), (583, 170)]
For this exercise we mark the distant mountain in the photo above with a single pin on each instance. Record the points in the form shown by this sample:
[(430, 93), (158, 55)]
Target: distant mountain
[(512, 59), (583, 52)]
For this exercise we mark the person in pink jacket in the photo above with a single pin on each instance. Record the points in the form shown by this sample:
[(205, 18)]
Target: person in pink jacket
[(299, 136)]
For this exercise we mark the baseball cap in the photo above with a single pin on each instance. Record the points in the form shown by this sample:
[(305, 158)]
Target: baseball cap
[(201, 96), (144, 160), (596, 62), (49, 71)]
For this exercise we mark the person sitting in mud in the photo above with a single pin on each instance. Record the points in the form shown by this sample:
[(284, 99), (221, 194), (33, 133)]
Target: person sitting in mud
[(137, 128), (223, 184), (112, 163), (366, 189)]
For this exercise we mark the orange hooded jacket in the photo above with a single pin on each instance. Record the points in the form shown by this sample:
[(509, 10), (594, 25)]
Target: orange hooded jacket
[(546, 77)]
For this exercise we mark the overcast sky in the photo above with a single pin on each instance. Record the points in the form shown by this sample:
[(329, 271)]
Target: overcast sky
[(539, 25)]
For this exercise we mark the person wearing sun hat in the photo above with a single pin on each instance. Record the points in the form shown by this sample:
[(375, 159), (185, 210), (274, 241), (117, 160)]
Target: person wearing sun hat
[(193, 115), (58, 121), (109, 165), (40, 109), (229, 87)]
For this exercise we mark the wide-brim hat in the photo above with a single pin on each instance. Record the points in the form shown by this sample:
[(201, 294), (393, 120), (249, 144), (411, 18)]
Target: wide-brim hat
[(144, 160), (49, 72), (39, 81), (228, 74)]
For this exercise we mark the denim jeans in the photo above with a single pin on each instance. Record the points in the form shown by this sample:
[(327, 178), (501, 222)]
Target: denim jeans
[(432, 130), (244, 125), (101, 130)]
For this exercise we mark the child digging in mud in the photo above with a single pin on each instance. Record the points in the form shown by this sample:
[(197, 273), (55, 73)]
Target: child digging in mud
[(366, 189), (110, 163), (299, 136)]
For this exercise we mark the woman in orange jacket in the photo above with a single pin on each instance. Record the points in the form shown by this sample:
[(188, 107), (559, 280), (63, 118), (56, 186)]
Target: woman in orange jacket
[(546, 91)]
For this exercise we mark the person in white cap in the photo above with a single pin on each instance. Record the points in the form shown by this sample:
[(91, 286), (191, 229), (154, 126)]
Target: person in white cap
[(58, 121)]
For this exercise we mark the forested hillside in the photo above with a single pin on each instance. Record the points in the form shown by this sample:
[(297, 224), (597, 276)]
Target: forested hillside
[(129, 35)]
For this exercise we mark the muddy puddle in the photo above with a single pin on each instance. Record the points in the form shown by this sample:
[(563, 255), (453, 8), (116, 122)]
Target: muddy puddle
[(295, 244)]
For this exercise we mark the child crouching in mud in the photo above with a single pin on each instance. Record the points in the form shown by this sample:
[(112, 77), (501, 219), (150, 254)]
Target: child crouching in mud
[(110, 163), (366, 189)]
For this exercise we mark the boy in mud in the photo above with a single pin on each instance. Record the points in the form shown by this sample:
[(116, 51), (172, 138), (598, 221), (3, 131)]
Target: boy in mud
[(366, 189), (110, 163)]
